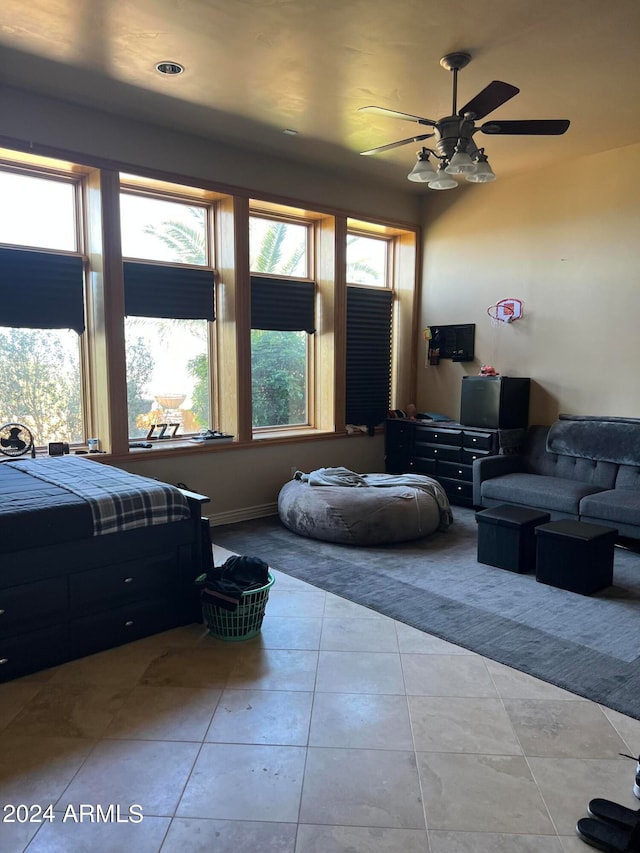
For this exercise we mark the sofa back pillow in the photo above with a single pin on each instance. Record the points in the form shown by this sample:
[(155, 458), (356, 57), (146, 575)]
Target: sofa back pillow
[(538, 460)]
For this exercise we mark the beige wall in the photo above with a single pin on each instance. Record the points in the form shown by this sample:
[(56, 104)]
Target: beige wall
[(244, 483), (566, 242), (46, 121)]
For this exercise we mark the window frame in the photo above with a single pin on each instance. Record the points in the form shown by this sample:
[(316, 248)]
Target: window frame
[(389, 256), (131, 185), (75, 176), (103, 365), (292, 218)]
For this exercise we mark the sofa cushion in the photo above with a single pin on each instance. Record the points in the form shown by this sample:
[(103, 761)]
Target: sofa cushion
[(628, 478), (536, 490), (616, 506)]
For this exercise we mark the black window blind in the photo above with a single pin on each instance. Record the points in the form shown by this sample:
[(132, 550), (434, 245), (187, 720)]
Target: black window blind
[(41, 290), (179, 293), (368, 380), (282, 305)]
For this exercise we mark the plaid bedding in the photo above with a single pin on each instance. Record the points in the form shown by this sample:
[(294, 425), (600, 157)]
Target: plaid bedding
[(118, 500)]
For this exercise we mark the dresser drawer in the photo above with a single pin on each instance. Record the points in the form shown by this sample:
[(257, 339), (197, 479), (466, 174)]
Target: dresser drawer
[(399, 433), (30, 605), (25, 653), (470, 456), (438, 451), (122, 625), (434, 435), (424, 466), (478, 440), (454, 471), (109, 586), (457, 491)]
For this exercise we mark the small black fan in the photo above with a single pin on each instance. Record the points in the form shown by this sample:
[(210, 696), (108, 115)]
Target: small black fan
[(15, 440)]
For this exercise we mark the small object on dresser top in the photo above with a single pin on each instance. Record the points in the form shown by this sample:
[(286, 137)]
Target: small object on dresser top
[(140, 444)]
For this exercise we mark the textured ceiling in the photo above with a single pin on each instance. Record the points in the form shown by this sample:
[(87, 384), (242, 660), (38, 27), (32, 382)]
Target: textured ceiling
[(256, 67)]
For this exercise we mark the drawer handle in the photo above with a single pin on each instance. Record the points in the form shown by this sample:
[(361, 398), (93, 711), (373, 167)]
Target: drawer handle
[(459, 471), (434, 452), (474, 457), (474, 440), (128, 580), (4, 660), (459, 488), (435, 435), (2, 612), (128, 623)]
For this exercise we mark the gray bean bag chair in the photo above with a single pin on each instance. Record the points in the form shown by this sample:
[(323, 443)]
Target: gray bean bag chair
[(358, 516)]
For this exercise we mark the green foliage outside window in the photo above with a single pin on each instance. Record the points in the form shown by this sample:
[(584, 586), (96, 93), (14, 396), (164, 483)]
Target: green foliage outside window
[(40, 384)]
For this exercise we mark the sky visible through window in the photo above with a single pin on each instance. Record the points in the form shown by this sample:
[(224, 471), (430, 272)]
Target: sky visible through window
[(37, 212)]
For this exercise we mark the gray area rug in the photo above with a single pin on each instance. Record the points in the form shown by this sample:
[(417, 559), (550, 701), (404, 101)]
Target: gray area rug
[(588, 645)]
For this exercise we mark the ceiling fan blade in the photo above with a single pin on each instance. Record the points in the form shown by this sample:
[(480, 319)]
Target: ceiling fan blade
[(382, 111), (391, 145), (489, 99), (533, 127)]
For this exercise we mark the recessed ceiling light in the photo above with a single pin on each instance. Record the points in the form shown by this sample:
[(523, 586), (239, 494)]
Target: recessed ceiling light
[(290, 132), (169, 68)]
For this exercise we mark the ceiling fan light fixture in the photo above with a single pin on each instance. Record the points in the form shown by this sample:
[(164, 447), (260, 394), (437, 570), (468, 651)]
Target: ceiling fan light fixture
[(460, 163), (483, 173), (423, 171), (442, 181)]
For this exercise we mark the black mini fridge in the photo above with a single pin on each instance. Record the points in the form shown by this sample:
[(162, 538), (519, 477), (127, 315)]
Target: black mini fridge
[(496, 402)]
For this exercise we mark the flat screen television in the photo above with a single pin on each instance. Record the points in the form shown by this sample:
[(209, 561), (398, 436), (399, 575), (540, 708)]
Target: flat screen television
[(496, 402)]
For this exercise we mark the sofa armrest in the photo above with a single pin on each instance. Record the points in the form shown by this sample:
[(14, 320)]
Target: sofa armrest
[(493, 466)]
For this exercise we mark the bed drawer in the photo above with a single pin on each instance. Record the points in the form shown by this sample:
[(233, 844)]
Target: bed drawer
[(122, 625), (32, 604), (25, 653), (109, 586)]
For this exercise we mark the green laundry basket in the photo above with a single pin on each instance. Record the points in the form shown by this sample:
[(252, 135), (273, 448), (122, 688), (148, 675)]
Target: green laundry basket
[(242, 623)]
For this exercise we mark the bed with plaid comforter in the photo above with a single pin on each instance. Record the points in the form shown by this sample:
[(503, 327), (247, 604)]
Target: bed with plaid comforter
[(50, 500)]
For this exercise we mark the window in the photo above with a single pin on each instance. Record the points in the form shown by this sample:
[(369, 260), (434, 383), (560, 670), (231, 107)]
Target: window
[(282, 319), (168, 307), (367, 260), (41, 305), (108, 322), (369, 330)]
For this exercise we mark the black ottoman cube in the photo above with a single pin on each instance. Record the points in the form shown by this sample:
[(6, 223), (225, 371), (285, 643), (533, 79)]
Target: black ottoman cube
[(576, 556), (506, 536)]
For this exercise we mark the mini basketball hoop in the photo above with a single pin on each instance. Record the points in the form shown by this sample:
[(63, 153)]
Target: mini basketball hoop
[(505, 311)]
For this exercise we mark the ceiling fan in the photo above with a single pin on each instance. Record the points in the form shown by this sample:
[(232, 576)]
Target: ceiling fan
[(455, 147)]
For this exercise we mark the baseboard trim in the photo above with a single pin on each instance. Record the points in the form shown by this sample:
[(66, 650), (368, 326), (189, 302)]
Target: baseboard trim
[(246, 514)]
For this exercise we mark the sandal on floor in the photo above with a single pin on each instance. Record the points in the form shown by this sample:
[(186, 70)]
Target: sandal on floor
[(611, 812), (608, 837)]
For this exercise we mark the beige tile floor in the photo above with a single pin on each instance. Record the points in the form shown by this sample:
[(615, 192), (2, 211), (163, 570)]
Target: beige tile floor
[(337, 730)]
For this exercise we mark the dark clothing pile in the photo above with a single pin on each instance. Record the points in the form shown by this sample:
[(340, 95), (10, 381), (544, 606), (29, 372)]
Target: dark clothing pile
[(223, 586)]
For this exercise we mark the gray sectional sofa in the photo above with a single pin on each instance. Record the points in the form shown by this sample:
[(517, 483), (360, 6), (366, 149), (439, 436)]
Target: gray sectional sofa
[(581, 467)]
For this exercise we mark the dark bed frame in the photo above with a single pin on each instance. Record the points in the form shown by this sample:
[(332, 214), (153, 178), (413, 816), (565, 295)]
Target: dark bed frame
[(69, 600)]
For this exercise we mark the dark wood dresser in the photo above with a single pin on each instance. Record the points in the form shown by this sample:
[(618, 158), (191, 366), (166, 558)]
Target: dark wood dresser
[(444, 450)]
